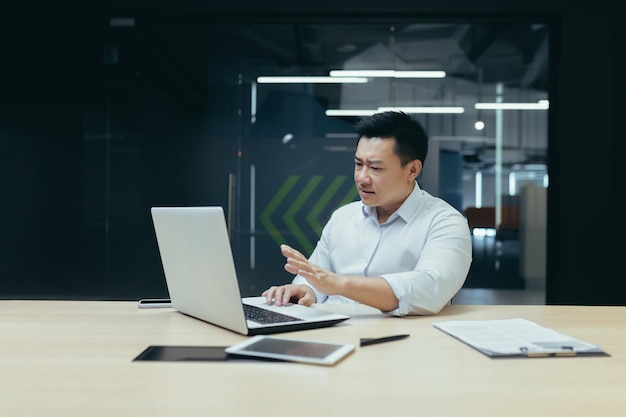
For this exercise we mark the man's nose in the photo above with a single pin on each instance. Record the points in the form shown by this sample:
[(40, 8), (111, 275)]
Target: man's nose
[(362, 176)]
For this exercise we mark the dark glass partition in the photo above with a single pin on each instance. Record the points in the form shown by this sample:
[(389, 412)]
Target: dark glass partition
[(104, 117)]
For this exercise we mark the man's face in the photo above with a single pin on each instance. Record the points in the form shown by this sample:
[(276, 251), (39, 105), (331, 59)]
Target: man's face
[(380, 178)]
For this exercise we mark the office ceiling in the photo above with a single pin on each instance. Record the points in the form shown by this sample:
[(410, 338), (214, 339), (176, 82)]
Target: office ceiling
[(514, 54), (165, 48), (475, 57), (170, 53)]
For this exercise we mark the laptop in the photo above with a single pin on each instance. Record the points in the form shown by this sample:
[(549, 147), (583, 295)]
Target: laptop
[(202, 282)]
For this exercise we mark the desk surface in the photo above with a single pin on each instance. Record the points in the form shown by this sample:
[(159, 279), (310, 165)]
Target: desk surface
[(73, 358)]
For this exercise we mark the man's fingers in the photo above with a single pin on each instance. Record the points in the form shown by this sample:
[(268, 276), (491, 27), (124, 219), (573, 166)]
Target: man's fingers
[(290, 252), (307, 300), (269, 294), (291, 269), (279, 295)]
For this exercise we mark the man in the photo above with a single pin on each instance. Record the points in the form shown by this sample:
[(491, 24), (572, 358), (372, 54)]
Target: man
[(399, 249)]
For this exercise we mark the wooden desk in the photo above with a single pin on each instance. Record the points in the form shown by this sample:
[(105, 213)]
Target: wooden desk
[(60, 358)]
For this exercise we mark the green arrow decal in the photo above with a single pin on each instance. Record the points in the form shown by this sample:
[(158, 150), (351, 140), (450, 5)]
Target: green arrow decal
[(321, 204), (350, 196), (312, 217), (266, 215), (295, 207)]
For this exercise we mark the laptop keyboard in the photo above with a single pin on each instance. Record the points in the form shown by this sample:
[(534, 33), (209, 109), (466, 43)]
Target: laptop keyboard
[(264, 316)]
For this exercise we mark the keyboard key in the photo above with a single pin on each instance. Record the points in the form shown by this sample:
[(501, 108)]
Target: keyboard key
[(264, 316)]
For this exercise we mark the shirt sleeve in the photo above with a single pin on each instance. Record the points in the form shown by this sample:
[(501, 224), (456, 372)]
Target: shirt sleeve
[(440, 271)]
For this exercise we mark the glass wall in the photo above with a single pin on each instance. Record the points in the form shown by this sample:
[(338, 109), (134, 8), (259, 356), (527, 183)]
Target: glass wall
[(297, 161), (144, 111)]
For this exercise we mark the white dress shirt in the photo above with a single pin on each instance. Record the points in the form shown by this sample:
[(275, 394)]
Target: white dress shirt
[(423, 251)]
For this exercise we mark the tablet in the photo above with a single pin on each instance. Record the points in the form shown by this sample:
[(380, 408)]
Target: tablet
[(318, 353)]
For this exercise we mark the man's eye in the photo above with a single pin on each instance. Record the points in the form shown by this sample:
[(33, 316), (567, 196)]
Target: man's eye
[(359, 164), (376, 168)]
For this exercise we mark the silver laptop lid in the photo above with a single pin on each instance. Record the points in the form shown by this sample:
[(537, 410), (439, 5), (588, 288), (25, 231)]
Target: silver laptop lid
[(193, 243)]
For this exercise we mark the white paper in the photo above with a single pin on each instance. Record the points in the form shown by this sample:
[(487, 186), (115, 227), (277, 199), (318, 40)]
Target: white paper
[(513, 337)]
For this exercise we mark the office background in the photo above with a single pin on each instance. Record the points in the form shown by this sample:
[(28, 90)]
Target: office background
[(90, 138)]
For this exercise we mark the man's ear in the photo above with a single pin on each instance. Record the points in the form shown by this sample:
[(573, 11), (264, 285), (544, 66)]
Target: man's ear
[(415, 168)]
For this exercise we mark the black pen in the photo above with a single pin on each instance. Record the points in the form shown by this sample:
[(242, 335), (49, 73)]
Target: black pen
[(367, 342)]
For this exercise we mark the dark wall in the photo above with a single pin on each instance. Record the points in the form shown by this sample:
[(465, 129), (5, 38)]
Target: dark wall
[(586, 144), (584, 216), (89, 141)]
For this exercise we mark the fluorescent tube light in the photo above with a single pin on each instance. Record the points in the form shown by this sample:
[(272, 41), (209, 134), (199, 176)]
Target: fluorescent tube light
[(540, 105), (414, 110), (338, 112), (307, 80), (420, 74), (362, 73), (387, 73), (128, 22), (451, 109)]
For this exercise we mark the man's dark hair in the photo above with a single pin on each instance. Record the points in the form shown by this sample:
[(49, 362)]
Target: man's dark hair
[(411, 138)]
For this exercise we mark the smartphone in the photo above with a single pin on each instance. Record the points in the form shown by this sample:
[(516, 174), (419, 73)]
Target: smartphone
[(155, 303)]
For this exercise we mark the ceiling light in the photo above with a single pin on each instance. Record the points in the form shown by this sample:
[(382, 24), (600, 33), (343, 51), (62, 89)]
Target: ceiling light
[(307, 80), (414, 110), (341, 112), (387, 73), (362, 73), (346, 47), (540, 105), (452, 109), (122, 22), (420, 74), (287, 138)]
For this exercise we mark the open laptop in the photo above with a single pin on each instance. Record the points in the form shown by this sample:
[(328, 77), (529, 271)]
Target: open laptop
[(202, 282)]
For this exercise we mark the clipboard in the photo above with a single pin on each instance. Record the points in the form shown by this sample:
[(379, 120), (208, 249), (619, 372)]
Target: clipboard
[(516, 338)]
